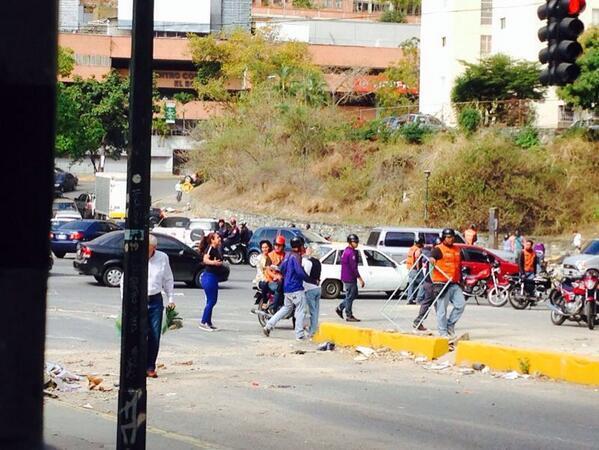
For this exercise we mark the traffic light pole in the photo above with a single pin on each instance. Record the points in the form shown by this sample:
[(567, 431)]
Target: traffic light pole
[(131, 426)]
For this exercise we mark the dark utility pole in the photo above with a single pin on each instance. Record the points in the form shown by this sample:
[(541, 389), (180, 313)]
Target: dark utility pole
[(131, 432), (28, 90), (427, 174)]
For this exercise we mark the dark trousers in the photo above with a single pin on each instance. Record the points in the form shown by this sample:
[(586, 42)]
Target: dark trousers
[(427, 300), (155, 308), (276, 288), (351, 292), (210, 286)]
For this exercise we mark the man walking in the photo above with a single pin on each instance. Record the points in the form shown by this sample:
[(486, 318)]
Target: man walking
[(313, 268), (350, 276), (293, 288), (160, 278), (447, 262), (414, 265)]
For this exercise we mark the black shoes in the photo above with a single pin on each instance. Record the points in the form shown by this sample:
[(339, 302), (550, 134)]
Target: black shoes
[(352, 319), (339, 312)]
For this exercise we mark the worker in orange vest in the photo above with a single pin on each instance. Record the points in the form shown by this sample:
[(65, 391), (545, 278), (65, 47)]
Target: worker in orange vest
[(414, 265), (470, 235), (446, 276), (527, 263)]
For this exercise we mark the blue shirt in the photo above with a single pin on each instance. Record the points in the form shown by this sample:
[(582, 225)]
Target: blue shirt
[(293, 274)]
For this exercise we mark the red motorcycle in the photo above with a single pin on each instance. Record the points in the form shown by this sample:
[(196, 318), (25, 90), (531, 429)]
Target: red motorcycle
[(488, 282), (575, 300)]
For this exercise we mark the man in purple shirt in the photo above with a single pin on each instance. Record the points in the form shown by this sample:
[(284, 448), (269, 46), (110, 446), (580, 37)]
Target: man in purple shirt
[(350, 277)]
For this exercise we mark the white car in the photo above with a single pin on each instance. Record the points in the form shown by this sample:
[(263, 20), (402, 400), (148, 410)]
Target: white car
[(186, 229), (67, 215), (379, 272)]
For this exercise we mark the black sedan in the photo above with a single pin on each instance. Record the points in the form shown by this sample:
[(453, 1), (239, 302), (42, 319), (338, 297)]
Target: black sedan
[(103, 258), (64, 181), (65, 238)]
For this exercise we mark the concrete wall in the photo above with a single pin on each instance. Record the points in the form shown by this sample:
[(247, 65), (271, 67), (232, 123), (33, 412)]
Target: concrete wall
[(68, 15)]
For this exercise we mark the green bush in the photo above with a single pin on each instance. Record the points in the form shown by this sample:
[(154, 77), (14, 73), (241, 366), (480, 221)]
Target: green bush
[(395, 16), (527, 137), (469, 120), (414, 133)]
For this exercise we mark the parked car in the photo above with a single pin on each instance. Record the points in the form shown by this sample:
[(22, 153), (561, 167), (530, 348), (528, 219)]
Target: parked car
[(64, 205), (187, 229), (477, 259), (64, 181), (591, 126), (67, 215), (86, 205), (379, 271), (103, 259), (270, 233), (575, 266), (396, 241), (64, 239), (426, 120)]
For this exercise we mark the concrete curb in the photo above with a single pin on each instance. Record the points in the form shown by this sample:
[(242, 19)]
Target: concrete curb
[(346, 335), (556, 365)]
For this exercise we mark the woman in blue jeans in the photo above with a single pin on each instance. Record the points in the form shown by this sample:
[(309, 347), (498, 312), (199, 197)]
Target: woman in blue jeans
[(213, 260)]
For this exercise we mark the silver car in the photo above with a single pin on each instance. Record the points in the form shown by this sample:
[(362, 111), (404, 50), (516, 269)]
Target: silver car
[(576, 266)]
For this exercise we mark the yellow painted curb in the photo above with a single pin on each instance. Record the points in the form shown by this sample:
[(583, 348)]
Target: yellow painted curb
[(346, 335), (557, 365)]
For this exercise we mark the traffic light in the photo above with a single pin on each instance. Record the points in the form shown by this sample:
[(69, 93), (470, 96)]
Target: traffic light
[(561, 34)]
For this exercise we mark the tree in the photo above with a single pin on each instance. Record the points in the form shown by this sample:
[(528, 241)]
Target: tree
[(399, 10), (584, 92), (496, 81), (184, 98), (65, 62), (92, 118), (405, 73), (251, 60)]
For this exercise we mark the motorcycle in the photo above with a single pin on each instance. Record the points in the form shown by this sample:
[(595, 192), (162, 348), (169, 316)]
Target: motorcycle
[(265, 308), (489, 283), (575, 300), (524, 292), (235, 253)]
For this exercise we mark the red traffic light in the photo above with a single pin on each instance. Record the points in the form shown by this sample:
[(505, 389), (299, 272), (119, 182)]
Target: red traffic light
[(576, 6)]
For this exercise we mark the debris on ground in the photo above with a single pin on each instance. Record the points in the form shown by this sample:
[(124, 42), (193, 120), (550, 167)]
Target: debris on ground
[(406, 354), (421, 359), (50, 394), (513, 375), (485, 370), (281, 386), (466, 371), (441, 366), (184, 363), (57, 377), (326, 347), (366, 351), (93, 382), (478, 366), (88, 406), (361, 358), (299, 352)]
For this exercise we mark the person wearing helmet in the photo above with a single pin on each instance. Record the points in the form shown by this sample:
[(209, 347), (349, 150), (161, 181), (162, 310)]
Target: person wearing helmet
[(233, 236), (414, 265), (446, 276), (350, 276), (471, 235), (293, 289)]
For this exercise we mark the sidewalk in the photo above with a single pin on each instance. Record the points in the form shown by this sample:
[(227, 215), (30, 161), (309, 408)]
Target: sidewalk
[(531, 328), (67, 427)]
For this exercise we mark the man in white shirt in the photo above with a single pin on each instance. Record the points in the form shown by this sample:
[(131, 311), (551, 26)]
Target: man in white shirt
[(160, 278), (577, 241), (313, 268)]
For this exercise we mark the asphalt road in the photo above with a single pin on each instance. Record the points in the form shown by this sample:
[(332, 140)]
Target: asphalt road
[(237, 389)]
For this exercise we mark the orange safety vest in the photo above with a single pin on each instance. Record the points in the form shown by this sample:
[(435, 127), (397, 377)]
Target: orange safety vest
[(412, 256), (529, 260), (470, 236), (450, 264)]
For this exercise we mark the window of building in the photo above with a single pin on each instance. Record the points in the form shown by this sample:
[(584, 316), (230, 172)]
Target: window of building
[(443, 41), (502, 22), (92, 60), (595, 18), (485, 45), (486, 12)]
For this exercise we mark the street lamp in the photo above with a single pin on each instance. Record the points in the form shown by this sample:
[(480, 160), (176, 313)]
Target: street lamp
[(427, 174)]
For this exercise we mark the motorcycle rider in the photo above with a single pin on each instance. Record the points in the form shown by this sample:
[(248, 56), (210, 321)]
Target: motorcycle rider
[(527, 262), (233, 237), (222, 230), (294, 277), (447, 261), (414, 265), (272, 272), (245, 234)]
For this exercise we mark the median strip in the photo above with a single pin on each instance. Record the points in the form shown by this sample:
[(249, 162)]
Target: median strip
[(557, 365), (346, 335)]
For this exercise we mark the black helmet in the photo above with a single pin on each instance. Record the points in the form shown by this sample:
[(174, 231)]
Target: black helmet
[(297, 242), (447, 232), (437, 240), (419, 239), (353, 238)]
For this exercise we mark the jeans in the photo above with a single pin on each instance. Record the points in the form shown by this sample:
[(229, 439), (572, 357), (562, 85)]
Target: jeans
[(155, 308), (427, 300), (415, 279), (313, 301), (351, 292), (210, 286), (452, 294), (299, 300)]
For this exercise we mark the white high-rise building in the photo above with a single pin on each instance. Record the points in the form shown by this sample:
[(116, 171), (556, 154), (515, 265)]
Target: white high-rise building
[(466, 30)]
